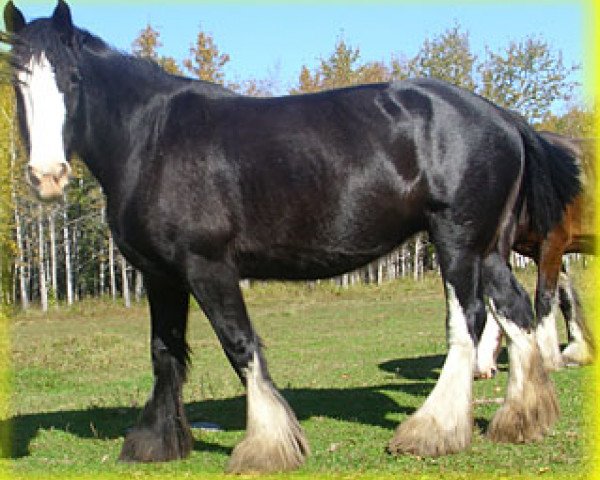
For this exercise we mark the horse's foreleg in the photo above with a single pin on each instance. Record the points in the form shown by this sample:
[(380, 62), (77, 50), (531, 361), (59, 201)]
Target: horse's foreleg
[(163, 432), (274, 440), (581, 347), (530, 406)]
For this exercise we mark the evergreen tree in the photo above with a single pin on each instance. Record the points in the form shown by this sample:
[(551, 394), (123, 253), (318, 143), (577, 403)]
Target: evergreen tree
[(341, 68), (206, 62), (146, 45)]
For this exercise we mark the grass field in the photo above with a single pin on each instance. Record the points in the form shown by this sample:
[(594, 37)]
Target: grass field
[(352, 363)]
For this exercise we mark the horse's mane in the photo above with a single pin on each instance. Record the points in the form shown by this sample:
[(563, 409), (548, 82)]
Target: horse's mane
[(125, 63)]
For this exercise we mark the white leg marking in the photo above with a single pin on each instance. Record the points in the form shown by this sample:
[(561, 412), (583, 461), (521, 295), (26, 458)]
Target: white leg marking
[(450, 400), (547, 338), (274, 439), (444, 423), (530, 407), (488, 348), (577, 352), (580, 350)]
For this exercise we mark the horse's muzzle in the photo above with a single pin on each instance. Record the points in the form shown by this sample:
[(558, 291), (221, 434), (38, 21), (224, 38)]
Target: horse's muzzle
[(49, 185)]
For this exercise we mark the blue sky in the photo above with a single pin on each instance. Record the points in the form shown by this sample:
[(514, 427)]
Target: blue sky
[(275, 39)]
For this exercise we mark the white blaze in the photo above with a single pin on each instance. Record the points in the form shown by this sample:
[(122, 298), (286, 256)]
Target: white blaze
[(45, 115)]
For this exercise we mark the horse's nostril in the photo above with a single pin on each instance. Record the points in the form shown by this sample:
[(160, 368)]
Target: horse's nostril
[(33, 177)]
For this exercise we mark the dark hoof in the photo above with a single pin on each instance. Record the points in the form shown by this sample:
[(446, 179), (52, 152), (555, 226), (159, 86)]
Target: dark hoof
[(146, 445)]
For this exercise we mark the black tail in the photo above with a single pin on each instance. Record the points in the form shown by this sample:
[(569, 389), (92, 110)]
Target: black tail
[(551, 179)]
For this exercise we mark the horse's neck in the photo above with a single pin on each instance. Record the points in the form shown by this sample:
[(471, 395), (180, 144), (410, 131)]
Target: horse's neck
[(115, 102)]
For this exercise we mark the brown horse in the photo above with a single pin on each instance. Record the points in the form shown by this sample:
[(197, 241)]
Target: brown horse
[(575, 234)]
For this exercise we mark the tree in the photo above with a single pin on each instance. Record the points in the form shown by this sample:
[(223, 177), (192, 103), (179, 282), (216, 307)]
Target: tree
[(341, 68), (146, 45), (206, 62), (576, 122), (527, 77), (307, 82), (447, 57), (7, 158)]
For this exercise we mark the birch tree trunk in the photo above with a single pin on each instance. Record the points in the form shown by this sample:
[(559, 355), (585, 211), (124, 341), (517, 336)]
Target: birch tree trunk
[(111, 267), (125, 282), (380, 265), (67, 248), (20, 245), (417, 257), (41, 262), (21, 269), (53, 262), (102, 266), (139, 286)]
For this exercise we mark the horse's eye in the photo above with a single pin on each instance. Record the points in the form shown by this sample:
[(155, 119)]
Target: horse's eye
[(75, 77)]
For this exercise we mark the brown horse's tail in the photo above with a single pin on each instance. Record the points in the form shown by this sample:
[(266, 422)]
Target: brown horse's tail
[(551, 179)]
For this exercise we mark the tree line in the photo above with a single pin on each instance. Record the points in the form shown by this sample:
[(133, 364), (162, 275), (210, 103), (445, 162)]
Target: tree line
[(64, 252)]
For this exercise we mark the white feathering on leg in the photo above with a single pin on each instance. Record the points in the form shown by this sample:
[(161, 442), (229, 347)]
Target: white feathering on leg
[(444, 423), (274, 439)]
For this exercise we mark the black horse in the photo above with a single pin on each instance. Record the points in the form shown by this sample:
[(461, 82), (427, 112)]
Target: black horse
[(205, 187)]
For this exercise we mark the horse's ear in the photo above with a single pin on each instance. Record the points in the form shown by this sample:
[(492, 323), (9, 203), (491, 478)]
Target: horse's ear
[(13, 18), (61, 19)]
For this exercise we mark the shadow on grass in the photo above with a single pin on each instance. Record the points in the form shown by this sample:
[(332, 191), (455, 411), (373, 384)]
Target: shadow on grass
[(368, 405), (428, 367)]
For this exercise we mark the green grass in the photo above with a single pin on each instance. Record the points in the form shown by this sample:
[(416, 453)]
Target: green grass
[(352, 363)]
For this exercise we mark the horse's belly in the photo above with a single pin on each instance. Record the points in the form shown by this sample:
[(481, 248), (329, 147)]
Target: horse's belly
[(284, 263)]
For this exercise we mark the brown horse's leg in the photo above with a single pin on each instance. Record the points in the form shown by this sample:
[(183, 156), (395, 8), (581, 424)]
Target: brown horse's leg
[(581, 348), (546, 298)]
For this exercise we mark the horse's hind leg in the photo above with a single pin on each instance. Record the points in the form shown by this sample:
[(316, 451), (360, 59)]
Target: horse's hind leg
[(163, 432), (581, 347), (530, 407), (274, 440), (444, 423)]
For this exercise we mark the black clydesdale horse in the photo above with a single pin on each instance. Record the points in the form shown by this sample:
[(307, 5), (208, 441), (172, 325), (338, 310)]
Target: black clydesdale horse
[(205, 187)]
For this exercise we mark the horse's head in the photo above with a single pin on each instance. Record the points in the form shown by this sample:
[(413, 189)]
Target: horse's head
[(47, 89)]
